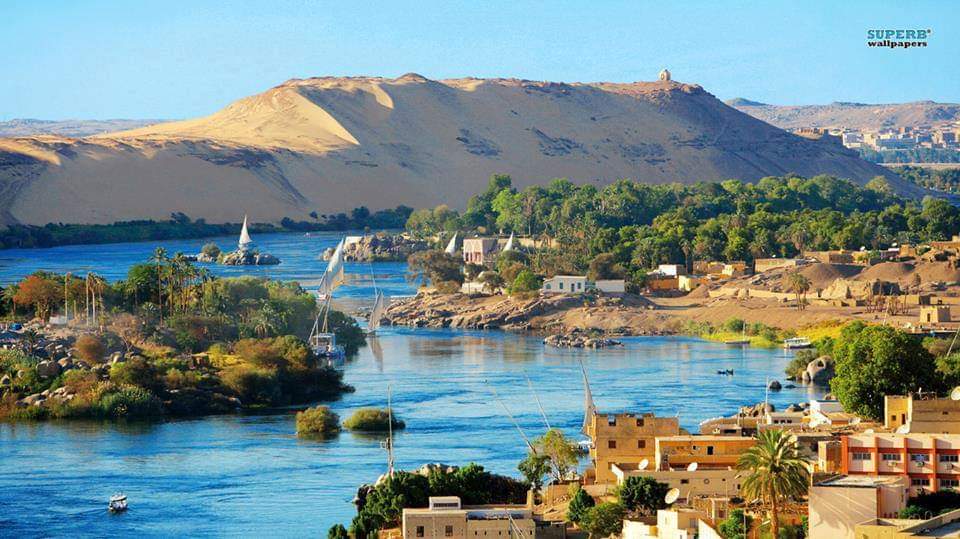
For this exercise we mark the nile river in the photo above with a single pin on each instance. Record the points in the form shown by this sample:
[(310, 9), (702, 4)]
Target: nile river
[(250, 475)]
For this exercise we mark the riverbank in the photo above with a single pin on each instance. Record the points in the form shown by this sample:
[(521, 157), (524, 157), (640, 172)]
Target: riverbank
[(622, 314), (183, 227)]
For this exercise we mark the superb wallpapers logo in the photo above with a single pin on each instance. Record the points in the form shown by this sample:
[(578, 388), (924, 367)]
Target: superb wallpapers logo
[(898, 39)]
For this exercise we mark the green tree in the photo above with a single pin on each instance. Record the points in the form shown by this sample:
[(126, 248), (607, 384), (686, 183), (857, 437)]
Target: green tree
[(644, 494), (561, 451), (603, 520), (736, 525), (526, 281), (878, 360), (775, 472), (337, 531), (580, 503), (434, 267), (604, 266), (533, 468), (799, 284)]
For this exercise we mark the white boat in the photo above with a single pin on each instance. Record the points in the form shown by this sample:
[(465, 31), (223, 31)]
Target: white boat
[(323, 342), (118, 503), (333, 275), (376, 315), (245, 244), (797, 342), (452, 246)]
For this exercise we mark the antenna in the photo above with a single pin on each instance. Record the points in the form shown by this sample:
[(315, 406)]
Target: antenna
[(692, 467), (643, 464), (672, 496), (537, 398), (955, 394)]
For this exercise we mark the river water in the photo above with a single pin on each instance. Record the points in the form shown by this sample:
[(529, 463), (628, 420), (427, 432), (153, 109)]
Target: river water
[(249, 474)]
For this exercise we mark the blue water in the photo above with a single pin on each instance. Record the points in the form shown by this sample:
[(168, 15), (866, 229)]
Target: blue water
[(250, 475)]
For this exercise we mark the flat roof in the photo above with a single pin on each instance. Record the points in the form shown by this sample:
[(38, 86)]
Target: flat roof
[(857, 481)]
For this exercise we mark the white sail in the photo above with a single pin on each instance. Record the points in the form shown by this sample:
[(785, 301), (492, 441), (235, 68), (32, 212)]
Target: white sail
[(245, 242), (379, 306), (509, 245), (589, 408), (333, 276), (452, 246)]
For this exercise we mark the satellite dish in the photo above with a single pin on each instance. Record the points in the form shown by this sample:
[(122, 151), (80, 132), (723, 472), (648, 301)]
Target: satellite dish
[(643, 464), (692, 467), (672, 496), (955, 394), (868, 431), (903, 429)]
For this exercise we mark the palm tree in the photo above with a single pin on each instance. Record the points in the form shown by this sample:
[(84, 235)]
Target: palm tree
[(775, 472), (160, 256), (799, 285)]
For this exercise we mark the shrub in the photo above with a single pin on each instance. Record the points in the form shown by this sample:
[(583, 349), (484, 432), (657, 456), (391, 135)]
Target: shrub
[(90, 348), (253, 385), (526, 281), (317, 421), (735, 526), (372, 420), (130, 402), (603, 520), (136, 371), (337, 531), (642, 494), (211, 249), (580, 503)]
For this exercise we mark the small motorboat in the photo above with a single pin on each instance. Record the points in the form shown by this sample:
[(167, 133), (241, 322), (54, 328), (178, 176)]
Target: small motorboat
[(725, 372), (118, 503), (796, 343), (737, 342)]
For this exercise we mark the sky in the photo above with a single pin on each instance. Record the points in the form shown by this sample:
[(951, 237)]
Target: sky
[(100, 59)]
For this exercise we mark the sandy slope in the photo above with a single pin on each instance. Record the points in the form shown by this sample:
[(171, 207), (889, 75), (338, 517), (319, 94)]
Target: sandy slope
[(851, 115), (331, 144)]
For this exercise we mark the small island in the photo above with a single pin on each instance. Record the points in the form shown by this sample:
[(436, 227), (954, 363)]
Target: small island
[(373, 420), (245, 255), (165, 342), (319, 422)]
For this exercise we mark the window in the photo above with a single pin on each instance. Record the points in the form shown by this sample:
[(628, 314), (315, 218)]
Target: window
[(641, 444), (949, 458), (448, 531), (611, 444), (709, 449), (684, 481), (891, 457), (949, 483), (861, 456), (639, 421), (918, 482), (612, 420), (920, 458), (419, 531)]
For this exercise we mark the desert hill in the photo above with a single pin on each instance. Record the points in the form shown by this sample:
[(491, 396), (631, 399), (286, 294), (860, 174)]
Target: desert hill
[(332, 144), (850, 115)]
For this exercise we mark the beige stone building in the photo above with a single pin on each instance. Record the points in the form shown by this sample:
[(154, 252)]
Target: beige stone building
[(934, 314), (445, 517), (708, 451), (626, 438), (836, 506), (921, 414)]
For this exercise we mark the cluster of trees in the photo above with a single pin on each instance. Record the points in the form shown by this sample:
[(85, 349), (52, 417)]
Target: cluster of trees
[(383, 504), (181, 226), (947, 179), (913, 155), (641, 225), (252, 330)]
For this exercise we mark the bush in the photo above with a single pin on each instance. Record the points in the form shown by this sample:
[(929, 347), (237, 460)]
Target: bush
[(90, 348), (372, 420), (603, 520), (130, 402), (317, 421), (526, 281), (733, 526), (337, 531), (137, 372), (447, 287), (253, 385), (642, 494), (211, 249), (580, 503)]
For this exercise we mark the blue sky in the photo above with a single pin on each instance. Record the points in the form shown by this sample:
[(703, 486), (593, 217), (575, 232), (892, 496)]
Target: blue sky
[(177, 59)]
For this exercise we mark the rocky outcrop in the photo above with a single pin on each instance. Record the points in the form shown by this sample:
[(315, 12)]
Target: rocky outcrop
[(576, 339), (380, 248), (819, 371), (460, 311), (248, 258)]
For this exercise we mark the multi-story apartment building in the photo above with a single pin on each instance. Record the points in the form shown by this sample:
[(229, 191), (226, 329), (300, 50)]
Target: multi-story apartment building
[(931, 462), (626, 438)]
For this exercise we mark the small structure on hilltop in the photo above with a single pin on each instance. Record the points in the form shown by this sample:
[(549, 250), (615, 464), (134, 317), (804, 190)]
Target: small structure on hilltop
[(665, 75)]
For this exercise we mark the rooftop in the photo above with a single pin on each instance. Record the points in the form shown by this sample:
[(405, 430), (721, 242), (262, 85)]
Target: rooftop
[(857, 481)]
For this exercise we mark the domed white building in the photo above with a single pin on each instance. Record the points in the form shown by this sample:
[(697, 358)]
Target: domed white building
[(665, 75)]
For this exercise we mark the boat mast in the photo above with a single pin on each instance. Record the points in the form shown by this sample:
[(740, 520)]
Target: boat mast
[(512, 420), (537, 398), (389, 432)]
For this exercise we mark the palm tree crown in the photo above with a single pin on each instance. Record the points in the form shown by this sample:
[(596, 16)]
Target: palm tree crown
[(775, 472)]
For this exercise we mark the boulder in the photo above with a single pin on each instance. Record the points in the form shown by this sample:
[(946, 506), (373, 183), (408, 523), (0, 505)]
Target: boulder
[(65, 364), (48, 369), (819, 371), (774, 385)]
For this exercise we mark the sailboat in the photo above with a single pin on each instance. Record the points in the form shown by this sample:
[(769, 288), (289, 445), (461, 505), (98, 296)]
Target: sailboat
[(452, 246), (322, 341), (246, 243), (333, 275), (376, 315), (509, 245)]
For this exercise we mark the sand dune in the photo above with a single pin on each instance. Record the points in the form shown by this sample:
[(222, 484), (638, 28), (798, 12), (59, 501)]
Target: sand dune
[(331, 144)]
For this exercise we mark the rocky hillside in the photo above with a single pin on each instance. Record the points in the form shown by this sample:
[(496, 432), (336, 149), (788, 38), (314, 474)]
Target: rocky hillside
[(332, 144), (852, 115)]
